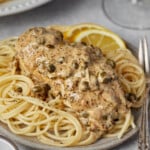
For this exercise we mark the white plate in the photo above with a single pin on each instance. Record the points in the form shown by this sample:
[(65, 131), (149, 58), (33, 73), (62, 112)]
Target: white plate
[(16, 6), (6, 144), (102, 144)]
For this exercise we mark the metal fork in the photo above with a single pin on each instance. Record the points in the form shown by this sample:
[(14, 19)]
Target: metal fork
[(144, 137)]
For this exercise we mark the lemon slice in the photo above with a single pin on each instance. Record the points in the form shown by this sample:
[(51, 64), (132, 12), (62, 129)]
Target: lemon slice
[(103, 39), (75, 29)]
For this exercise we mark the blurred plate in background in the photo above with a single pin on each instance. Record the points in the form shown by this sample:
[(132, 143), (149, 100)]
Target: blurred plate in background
[(9, 7), (6, 144)]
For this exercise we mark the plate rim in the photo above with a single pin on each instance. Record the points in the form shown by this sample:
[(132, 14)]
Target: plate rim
[(98, 145), (11, 8)]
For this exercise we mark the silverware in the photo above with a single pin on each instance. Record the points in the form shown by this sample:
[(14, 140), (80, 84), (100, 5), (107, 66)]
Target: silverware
[(144, 137)]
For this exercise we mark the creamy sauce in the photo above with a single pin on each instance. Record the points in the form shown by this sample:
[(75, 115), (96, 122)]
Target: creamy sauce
[(79, 74)]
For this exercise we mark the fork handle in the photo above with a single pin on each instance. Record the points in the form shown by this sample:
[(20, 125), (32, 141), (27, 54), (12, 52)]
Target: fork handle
[(144, 137), (147, 118)]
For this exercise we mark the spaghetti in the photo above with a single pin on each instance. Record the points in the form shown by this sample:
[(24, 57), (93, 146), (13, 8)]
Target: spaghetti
[(53, 122)]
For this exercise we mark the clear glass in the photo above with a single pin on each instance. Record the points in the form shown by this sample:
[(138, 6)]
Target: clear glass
[(134, 14)]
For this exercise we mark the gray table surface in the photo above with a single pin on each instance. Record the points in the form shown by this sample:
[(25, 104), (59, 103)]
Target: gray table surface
[(67, 12)]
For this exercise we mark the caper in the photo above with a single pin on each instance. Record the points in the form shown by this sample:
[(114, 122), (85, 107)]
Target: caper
[(105, 117), (46, 87), (107, 80), (111, 63), (41, 90), (50, 46), (92, 46), (103, 74), (83, 43), (130, 97), (86, 64), (51, 68), (75, 65), (85, 114), (116, 119), (19, 89), (59, 38), (84, 86)]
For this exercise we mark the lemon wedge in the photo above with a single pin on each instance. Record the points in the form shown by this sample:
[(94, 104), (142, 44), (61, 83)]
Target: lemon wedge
[(103, 39), (75, 29)]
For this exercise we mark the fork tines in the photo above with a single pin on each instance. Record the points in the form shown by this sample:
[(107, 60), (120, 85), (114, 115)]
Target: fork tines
[(144, 55)]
